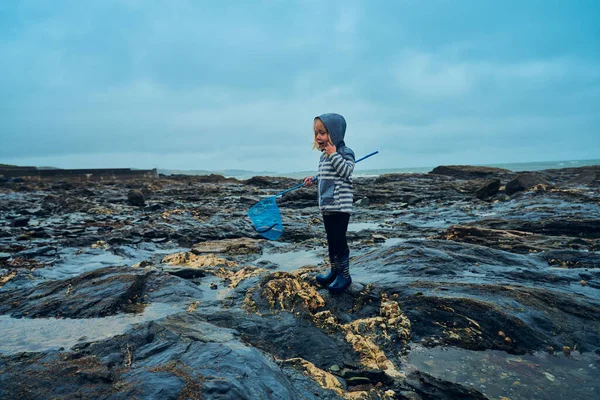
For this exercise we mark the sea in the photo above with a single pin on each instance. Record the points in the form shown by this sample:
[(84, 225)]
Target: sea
[(359, 172)]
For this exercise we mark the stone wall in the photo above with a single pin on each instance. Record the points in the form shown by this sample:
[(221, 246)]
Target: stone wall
[(98, 174)]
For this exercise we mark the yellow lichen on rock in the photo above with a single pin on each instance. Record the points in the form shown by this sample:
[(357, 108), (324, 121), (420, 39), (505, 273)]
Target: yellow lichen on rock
[(100, 211), (167, 214), (389, 326), (287, 292), (100, 244), (230, 246), (192, 307), (372, 393), (213, 265), (294, 293), (236, 277), (249, 304), (326, 321), (323, 378), (6, 278), (189, 259)]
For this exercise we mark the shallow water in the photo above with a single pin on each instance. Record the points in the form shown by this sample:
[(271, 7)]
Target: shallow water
[(293, 260), (43, 334), (360, 226), (210, 292), (501, 375), (74, 261)]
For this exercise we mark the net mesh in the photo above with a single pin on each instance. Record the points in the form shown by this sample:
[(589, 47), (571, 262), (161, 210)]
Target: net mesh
[(266, 218)]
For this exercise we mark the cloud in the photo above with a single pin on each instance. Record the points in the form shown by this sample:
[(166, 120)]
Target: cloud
[(432, 75), (240, 84), (426, 75)]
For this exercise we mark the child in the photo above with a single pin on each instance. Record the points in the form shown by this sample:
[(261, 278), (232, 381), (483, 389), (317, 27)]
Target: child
[(335, 196)]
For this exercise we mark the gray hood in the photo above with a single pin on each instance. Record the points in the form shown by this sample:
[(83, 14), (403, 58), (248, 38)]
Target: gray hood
[(336, 126)]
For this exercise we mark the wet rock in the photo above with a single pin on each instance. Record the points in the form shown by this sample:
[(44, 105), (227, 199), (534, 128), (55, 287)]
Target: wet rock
[(307, 197), (270, 181), (64, 203), (104, 292), (37, 252), (489, 189), (181, 357), (444, 320), (378, 238), (229, 246), (249, 200), (525, 181), (572, 258), (468, 172), (441, 268), (430, 387), (214, 178), (371, 332), (572, 227), (19, 222), (136, 198), (518, 241), (363, 202), (357, 381), (441, 320), (153, 207), (586, 178), (6, 276), (32, 211), (190, 266), (324, 379), (371, 376)]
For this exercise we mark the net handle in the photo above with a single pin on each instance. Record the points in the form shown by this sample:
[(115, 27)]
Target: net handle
[(315, 177)]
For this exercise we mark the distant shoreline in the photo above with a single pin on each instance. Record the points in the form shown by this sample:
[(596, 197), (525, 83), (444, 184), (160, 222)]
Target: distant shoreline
[(515, 167)]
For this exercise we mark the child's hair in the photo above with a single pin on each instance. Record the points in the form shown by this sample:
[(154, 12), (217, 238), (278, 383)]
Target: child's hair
[(315, 144)]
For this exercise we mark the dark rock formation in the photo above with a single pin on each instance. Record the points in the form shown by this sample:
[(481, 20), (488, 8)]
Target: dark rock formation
[(136, 198), (490, 188), (525, 181), (182, 298), (468, 171)]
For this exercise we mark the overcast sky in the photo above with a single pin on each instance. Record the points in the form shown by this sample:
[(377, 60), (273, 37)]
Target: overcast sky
[(236, 84)]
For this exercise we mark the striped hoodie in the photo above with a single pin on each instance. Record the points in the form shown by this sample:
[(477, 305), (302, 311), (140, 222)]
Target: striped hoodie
[(335, 170)]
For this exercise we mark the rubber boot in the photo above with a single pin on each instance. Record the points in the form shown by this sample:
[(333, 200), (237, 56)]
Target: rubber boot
[(325, 280), (343, 279)]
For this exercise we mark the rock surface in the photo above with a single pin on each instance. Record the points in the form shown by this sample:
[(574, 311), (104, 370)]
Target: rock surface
[(179, 297)]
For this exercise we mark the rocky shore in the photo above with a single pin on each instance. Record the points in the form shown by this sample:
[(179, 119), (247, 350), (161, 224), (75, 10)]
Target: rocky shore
[(469, 283)]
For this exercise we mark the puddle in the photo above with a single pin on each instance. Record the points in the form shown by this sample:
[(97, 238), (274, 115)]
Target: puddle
[(362, 226), (501, 375), (220, 292), (393, 242), (78, 264), (43, 334), (293, 260), (72, 264)]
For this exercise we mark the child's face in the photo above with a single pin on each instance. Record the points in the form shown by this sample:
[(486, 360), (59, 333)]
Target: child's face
[(321, 134)]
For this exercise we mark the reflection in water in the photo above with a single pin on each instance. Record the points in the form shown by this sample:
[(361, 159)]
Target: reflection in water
[(214, 289), (43, 334), (73, 261), (292, 260), (360, 226), (501, 375)]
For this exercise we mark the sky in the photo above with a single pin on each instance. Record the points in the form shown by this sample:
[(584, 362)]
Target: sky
[(209, 85)]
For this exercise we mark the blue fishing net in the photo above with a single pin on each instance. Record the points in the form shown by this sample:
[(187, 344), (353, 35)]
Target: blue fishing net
[(266, 218)]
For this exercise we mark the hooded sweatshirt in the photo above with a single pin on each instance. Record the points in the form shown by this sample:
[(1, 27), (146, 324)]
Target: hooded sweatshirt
[(335, 170)]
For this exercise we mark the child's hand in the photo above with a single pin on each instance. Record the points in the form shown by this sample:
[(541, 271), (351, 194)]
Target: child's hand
[(308, 181), (329, 148)]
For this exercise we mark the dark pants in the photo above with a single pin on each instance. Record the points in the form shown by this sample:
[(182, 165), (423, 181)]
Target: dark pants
[(336, 225)]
